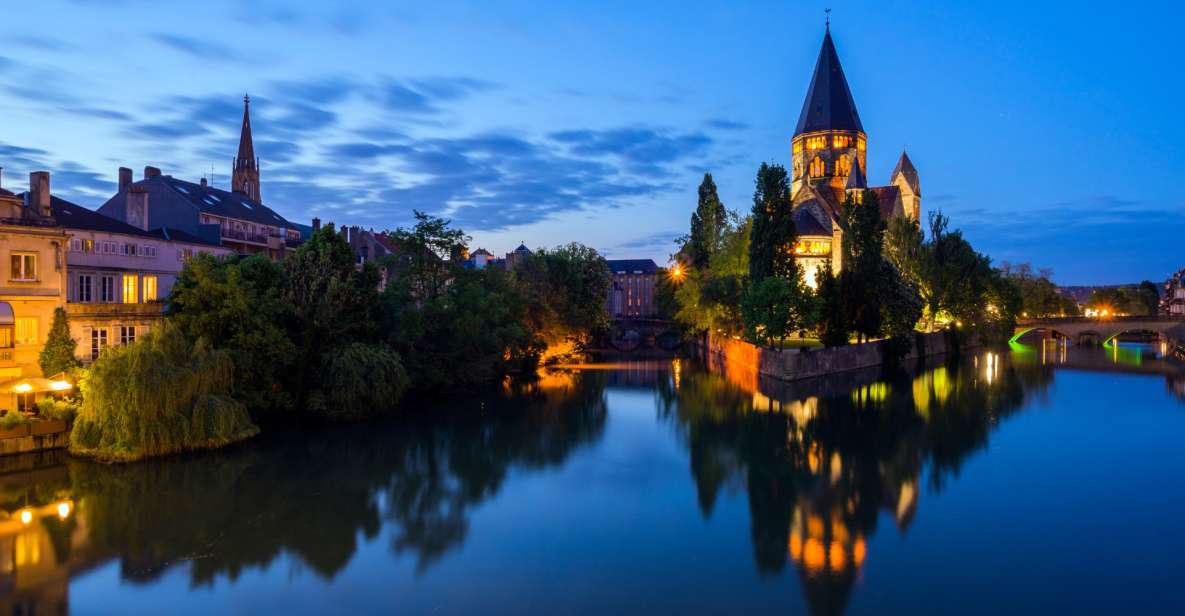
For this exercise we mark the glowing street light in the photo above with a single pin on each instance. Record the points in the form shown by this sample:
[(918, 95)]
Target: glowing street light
[(677, 272)]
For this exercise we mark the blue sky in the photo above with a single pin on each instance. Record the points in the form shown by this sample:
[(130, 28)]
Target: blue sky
[(1048, 132)]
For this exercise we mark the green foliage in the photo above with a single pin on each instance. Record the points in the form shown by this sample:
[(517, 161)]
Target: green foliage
[(427, 255), (1039, 295), (831, 311), (775, 308), (773, 234), (58, 354), (334, 304), (362, 380), (473, 332), (709, 223), (162, 395), (709, 300), (1136, 300), (13, 419), (566, 289), (861, 283), (54, 408), (237, 305)]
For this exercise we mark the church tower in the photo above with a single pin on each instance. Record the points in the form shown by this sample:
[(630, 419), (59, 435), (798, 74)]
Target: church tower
[(244, 177), (829, 146)]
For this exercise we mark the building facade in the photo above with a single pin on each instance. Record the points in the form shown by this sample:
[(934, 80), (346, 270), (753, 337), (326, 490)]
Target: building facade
[(829, 156), (1172, 300), (236, 219), (33, 285), (631, 296), (119, 275)]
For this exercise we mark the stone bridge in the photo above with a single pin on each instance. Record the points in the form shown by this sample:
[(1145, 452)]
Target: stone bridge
[(629, 334), (1090, 330)]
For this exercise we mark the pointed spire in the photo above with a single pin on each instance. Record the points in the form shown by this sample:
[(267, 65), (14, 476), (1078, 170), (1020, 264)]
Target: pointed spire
[(828, 104), (905, 167), (856, 178), (246, 146)]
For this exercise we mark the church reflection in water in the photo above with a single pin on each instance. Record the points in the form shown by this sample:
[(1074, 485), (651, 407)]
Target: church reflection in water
[(821, 461)]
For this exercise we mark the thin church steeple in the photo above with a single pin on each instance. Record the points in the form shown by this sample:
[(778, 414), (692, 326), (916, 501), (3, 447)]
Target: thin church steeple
[(245, 169)]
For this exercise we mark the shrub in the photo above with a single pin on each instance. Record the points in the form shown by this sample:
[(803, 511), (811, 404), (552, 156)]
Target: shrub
[(162, 395), (52, 408), (13, 419)]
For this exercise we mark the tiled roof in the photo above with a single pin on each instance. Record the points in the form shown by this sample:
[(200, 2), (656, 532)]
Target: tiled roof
[(629, 266), (906, 168), (168, 191), (74, 216), (806, 224), (888, 197), (828, 104)]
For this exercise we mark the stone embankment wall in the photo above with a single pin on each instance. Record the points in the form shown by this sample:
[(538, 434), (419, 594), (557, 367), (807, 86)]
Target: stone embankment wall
[(795, 364), (37, 436)]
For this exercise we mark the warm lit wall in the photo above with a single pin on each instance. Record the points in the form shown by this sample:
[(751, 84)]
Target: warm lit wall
[(31, 299)]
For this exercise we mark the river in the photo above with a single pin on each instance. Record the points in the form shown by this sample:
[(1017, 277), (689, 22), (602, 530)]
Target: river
[(1032, 480)]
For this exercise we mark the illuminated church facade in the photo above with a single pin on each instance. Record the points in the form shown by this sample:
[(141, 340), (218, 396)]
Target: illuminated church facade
[(829, 158)]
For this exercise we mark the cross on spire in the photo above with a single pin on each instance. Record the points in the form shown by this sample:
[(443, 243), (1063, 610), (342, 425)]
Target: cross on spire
[(827, 19)]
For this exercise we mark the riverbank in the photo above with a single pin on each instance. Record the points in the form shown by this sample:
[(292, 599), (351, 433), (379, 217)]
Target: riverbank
[(732, 354)]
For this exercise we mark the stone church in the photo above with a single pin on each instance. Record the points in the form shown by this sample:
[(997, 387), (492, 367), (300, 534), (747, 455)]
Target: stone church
[(829, 158)]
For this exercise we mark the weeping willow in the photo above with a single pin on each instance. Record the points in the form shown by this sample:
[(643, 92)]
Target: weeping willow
[(161, 395)]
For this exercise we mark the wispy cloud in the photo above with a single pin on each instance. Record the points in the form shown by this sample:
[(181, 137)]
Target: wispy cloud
[(198, 48)]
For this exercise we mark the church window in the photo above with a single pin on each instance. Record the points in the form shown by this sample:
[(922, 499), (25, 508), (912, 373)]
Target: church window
[(816, 143), (861, 144), (817, 168), (842, 141), (798, 147), (843, 166)]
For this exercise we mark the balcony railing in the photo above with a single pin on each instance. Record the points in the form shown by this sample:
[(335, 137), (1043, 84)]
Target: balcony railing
[(246, 236)]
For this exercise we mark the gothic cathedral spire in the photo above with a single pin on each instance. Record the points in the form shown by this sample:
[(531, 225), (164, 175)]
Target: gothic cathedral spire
[(245, 169)]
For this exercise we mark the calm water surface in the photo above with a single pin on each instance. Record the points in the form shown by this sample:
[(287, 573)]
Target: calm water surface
[(1027, 481)]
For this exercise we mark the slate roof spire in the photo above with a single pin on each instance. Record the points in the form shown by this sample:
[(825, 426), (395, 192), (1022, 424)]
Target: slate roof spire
[(244, 177), (905, 167), (828, 104), (246, 146)]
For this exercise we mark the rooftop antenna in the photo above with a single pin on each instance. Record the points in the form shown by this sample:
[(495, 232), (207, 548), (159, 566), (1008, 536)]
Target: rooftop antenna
[(827, 19)]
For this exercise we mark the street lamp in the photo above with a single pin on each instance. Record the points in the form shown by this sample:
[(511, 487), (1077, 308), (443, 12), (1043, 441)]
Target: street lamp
[(677, 272)]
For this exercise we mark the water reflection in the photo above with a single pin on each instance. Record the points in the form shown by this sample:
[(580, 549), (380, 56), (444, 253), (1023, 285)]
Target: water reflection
[(820, 464), (820, 467)]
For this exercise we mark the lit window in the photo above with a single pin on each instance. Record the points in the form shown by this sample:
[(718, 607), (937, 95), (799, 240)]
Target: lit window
[(130, 284), (150, 288), (842, 141), (26, 330), (6, 338), (24, 267), (88, 245), (798, 147), (843, 166), (817, 167), (127, 334)]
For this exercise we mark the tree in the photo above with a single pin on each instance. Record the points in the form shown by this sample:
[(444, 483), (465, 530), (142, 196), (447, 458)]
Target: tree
[(566, 288), (709, 223), (710, 300), (1039, 295), (774, 308), (427, 254), (860, 281), (831, 317), (237, 305), (365, 379), (334, 304), (772, 238), (58, 354)]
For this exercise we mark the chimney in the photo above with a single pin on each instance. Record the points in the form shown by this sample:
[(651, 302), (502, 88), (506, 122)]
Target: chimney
[(151, 172), (39, 192), (136, 211), (125, 178), (204, 184), (316, 225)]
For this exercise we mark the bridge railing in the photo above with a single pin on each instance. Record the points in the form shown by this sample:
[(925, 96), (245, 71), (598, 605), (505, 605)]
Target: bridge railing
[(1123, 319)]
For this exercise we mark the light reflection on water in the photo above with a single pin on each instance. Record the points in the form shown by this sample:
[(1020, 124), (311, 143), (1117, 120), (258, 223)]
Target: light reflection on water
[(503, 502)]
